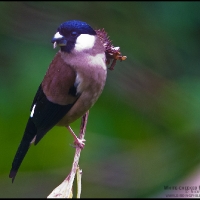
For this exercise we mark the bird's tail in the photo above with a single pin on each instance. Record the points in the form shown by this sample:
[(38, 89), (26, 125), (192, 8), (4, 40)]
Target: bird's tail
[(29, 134)]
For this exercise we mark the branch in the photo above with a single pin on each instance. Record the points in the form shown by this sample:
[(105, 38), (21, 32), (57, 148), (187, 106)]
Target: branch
[(64, 190)]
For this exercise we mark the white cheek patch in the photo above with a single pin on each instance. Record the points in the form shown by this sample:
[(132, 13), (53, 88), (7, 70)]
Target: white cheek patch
[(32, 112), (57, 35), (84, 42)]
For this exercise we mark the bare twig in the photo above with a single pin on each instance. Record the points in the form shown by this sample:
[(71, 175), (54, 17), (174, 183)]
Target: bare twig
[(79, 176), (64, 190)]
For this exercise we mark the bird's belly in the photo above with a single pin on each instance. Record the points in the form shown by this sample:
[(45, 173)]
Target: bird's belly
[(82, 105), (91, 84)]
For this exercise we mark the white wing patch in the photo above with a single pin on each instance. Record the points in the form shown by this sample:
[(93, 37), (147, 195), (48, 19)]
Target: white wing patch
[(32, 112), (79, 83), (33, 140)]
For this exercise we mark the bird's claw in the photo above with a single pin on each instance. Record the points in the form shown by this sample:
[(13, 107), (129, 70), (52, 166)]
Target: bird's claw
[(79, 143)]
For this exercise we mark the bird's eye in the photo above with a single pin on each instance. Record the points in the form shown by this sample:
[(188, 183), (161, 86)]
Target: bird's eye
[(74, 33)]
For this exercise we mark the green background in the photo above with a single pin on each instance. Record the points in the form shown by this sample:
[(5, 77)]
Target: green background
[(143, 132)]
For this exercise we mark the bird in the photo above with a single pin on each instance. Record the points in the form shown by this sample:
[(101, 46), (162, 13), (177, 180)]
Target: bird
[(72, 84)]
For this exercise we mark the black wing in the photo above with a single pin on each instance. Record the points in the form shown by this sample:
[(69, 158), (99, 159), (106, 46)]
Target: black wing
[(46, 114), (59, 79)]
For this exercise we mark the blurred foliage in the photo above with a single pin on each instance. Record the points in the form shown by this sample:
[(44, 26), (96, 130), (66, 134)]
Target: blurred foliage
[(143, 132)]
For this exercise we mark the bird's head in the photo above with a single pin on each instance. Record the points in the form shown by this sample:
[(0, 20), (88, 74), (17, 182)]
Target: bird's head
[(74, 34)]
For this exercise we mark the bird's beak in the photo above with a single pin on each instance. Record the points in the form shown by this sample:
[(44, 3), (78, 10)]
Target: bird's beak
[(58, 40)]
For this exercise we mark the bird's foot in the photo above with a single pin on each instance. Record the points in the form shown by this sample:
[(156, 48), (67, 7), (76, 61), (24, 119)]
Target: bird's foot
[(79, 142)]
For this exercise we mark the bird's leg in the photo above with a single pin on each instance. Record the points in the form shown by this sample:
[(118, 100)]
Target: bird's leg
[(79, 142), (84, 124)]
